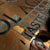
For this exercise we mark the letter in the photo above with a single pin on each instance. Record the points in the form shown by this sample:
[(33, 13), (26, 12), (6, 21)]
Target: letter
[(33, 2), (30, 29), (35, 25), (41, 16), (27, 34), (12, 18), (24, 9)]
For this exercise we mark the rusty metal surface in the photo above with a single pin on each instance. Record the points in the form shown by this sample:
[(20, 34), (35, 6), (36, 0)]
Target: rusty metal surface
[(24, 10)]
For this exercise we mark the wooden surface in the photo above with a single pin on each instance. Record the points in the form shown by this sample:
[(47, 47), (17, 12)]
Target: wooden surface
[(13, 40)]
